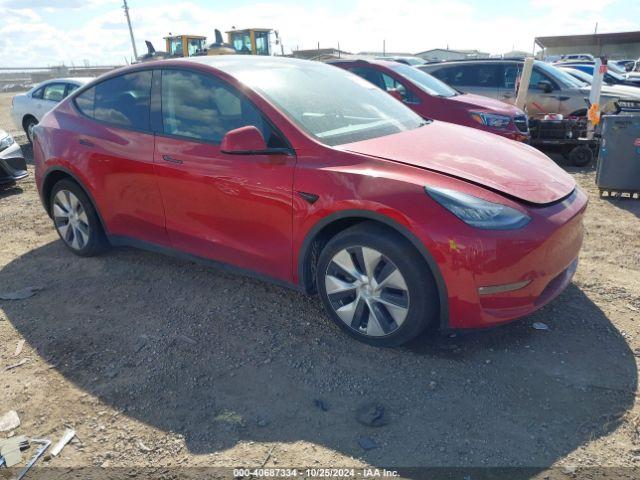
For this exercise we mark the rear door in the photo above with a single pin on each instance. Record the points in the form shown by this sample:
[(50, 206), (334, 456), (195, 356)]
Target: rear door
[(235, 209), (113, 148)]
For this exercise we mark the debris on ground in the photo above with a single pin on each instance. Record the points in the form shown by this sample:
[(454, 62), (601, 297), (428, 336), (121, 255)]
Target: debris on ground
[(144, 448), (9, 421), (367, 443), (321, 404), (20, 294), (19, 348), (372, 415), (11, 450), (185, 339), (68, 435), (44, 444), (540, 326), (16, 365)]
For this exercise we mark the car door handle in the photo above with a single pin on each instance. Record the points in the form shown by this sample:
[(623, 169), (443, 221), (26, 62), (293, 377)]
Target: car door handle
[(85, 143), (170, 159)]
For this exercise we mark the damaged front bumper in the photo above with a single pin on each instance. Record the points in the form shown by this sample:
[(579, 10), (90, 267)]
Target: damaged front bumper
[(13, 165)]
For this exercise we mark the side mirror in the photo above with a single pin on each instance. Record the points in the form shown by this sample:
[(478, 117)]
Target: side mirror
[(243, 141), (545, 86), (395, 93)]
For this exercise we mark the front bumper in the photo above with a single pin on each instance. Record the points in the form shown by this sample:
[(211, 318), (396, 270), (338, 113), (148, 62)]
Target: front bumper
[(13, 166), (480, 268)]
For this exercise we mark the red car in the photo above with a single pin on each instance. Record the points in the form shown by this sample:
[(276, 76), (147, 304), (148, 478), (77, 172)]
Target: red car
[(314, 178), (433, 99)]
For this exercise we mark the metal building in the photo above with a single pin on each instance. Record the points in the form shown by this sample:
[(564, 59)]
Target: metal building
[(612, 45)]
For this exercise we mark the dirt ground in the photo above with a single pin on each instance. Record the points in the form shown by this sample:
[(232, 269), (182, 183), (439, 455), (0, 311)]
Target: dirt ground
[(158, 362)]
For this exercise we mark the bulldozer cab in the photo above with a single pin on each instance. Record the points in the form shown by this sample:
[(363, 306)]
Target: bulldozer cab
[(186, 45), (250, 41)]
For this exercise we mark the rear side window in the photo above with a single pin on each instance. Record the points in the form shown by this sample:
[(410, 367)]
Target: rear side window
[(54, 92), (470, 75), (122, 101), (204, 108)]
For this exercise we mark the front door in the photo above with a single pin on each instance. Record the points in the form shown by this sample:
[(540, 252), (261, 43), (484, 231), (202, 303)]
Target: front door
[(236, 209)]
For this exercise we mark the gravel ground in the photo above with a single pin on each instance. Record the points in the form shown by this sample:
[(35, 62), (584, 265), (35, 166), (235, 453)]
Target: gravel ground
[(159, 362)]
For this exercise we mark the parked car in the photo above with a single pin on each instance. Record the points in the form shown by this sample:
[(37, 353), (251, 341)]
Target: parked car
[(431, 98), (579, 57), (611, 76), (12, 163), (311, 176), (28, 108), (621, 90), (413, 61), (551, 90)]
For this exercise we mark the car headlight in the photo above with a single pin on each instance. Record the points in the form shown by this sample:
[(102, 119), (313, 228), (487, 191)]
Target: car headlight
[(477, 212), (6, 142), (492, 120)]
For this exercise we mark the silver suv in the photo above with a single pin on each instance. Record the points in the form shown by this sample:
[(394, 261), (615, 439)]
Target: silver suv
[(551, 90)]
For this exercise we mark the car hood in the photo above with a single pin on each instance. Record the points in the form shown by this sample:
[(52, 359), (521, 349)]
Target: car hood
[(612, 91), (492, 161), (485, 104)]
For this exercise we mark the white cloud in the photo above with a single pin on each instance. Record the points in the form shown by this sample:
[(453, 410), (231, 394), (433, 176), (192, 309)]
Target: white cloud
[(406, 25)]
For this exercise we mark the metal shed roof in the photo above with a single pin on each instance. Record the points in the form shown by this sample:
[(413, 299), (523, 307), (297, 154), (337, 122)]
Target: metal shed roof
[(592, 39)]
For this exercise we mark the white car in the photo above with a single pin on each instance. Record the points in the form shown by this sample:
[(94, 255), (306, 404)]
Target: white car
[(28, 108)]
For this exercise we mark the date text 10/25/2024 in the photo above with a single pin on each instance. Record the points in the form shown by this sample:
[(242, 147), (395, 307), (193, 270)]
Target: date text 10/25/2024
[(314, 472)]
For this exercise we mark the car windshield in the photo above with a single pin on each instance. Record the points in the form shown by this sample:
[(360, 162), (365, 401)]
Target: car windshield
[(424, 81), (334, 106), (560, 76)]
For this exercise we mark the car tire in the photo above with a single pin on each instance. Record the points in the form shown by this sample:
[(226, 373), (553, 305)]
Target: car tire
[(376, 286), (28, 125), (76, 220), (581, 156)]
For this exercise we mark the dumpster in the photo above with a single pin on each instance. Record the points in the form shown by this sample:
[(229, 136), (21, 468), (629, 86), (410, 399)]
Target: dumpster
[(618, 172)]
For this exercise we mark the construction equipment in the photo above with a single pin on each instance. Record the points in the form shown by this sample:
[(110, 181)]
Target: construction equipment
[(185, 45), (219, 47), (251, 41)]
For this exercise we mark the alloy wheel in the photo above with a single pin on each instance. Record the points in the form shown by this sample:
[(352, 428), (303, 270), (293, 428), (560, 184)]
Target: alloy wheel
[(367, 291), (71, 220)]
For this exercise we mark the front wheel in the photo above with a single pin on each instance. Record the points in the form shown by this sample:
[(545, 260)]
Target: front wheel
[(376, 286)]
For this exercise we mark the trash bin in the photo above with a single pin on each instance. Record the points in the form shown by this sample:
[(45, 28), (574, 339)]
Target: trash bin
[(618, 170)]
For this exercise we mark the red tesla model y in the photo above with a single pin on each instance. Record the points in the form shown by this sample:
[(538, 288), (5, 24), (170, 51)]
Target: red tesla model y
[(311, 176)]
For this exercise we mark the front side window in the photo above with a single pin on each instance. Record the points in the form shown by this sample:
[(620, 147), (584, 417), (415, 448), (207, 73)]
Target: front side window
[(391, 84), (424, 81), (385, 82), (38, 93), (204, 108), (54, 92), (122, 100), (536, 77)]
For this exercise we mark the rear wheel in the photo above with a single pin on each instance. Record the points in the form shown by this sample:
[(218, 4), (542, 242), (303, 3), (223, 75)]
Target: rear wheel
[(28, 125), (76, 220), (376, 286)]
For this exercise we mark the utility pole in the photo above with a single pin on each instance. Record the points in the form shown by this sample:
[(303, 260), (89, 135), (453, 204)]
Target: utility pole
[(133, 42)]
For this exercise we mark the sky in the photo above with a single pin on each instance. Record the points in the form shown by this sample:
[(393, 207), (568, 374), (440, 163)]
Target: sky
[(76, 32)]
